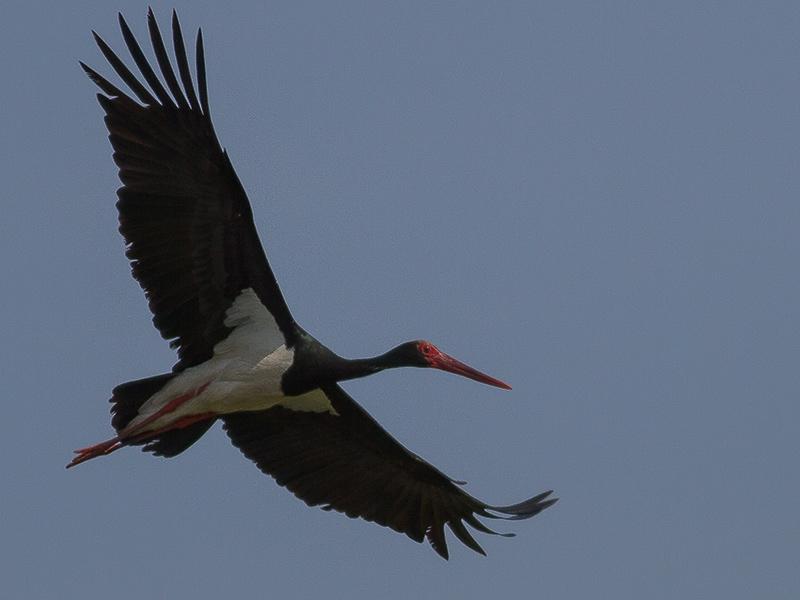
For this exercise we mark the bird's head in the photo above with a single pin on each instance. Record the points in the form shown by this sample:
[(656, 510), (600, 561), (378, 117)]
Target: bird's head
[(420, 353)]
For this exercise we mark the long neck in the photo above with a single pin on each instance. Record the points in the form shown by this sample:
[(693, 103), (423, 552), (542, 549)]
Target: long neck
[(315, 365), (343, 369), (404, 355)]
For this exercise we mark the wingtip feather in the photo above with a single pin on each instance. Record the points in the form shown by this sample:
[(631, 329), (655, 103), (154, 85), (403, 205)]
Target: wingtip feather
[(526, 509)]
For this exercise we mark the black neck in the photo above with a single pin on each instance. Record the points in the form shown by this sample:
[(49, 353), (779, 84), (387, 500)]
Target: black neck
[(315, 365)]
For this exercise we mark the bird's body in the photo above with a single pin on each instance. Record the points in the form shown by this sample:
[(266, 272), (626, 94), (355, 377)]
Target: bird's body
[(242, 357), (243, 374)]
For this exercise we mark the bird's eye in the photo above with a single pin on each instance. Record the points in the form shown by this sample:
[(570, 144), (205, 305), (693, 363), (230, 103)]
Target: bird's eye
[(426, 349)]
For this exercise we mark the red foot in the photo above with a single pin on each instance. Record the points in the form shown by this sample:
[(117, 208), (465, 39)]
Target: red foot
[(129, 436), (100, 449)]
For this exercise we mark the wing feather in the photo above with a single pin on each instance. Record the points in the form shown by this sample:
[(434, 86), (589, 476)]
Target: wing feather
[(347, 462), (185, 217)]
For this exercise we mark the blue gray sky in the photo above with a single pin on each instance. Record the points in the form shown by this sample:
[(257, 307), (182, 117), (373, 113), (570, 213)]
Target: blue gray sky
[(596, 202)]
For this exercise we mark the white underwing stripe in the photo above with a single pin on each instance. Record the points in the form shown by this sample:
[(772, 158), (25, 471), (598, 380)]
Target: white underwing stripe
[(244, 374)]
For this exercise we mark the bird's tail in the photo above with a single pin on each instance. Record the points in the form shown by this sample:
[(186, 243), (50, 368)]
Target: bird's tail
[(127, 399)]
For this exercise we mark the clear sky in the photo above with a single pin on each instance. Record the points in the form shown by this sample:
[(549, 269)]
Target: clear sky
[(596, 202)]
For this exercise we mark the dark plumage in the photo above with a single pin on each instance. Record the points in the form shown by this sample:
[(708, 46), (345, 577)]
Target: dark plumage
[(242, 358)]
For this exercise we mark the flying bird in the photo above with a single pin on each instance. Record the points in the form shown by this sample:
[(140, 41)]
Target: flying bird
[(242, 359)]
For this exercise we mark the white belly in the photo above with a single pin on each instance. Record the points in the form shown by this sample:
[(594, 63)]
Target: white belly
[(219, 386), (243, 374)]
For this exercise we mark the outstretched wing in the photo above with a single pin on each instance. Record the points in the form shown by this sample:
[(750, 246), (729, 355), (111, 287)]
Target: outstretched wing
[(349, 463), (184, 215)]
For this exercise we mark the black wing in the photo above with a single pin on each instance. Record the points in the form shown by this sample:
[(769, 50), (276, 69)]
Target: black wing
[(183, 213), (349, 463)]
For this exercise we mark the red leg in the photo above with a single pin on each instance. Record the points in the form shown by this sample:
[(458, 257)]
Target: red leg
[(179, 424), (100, 449), (128, 435), (169, 407)]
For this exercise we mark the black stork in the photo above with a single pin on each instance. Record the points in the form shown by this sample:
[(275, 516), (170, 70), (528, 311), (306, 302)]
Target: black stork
[(193, 247)]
